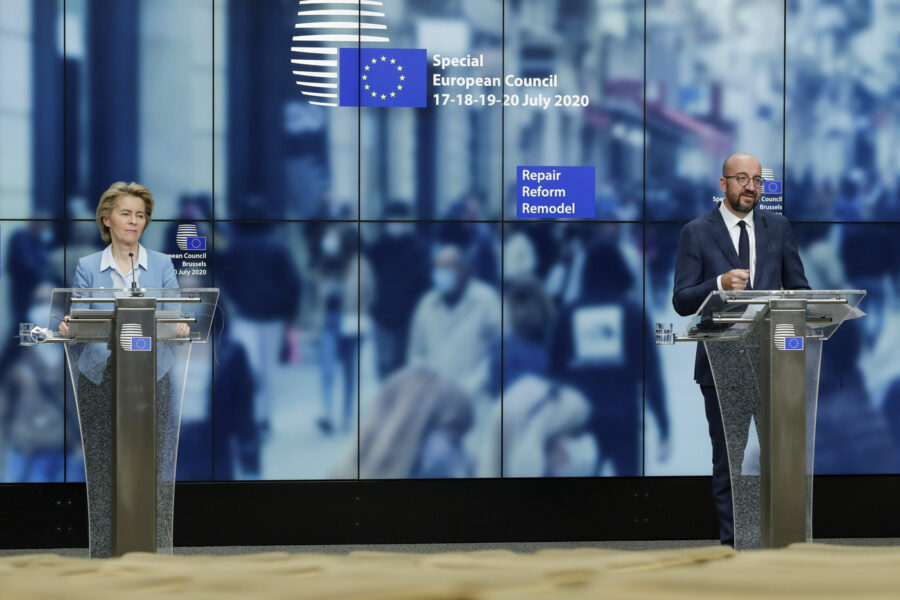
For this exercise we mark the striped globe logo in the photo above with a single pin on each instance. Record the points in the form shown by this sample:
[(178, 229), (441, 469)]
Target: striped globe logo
[(129, 331), (185, 230), (782, 332), (324, 26)]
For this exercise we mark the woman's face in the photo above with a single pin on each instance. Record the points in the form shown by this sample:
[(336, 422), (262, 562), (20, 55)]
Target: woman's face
[(127, 220)]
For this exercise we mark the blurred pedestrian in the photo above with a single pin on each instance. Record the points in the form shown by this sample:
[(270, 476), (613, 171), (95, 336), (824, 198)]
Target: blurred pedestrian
[(598, 346), (413, 429), (401, 267), (455, 323)]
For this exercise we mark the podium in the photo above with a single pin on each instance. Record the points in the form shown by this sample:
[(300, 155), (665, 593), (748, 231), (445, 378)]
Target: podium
[(765, 348), (128, 366)]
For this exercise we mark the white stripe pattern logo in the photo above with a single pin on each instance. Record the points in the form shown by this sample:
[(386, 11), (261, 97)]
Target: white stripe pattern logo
[(316, 41), (785, 330), (185, 230), (129, 330)]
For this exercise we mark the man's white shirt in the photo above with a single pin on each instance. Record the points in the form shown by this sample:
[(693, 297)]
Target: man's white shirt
[(734, 230)]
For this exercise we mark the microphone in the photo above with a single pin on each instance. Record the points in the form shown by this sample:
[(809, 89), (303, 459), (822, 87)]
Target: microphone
[(134, 287)]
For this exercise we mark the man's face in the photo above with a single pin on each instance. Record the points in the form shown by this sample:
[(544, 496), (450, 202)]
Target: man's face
[(741, 198)]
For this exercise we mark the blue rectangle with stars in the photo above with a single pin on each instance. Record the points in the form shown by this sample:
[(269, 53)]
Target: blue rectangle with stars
[(793, 343), (383, 77)]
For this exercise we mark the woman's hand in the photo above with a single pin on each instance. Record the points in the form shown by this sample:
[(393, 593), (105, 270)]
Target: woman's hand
[(64, 325), (182, 330)]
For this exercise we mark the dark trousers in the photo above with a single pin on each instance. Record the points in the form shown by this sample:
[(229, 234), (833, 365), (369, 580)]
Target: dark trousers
[(721, 475)]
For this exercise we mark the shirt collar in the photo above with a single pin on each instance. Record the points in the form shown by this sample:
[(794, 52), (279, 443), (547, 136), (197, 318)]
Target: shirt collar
[(107, 262), (731, 219)]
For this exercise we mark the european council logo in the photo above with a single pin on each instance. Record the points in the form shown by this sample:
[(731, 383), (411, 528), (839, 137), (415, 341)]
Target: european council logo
[(770, 187), (786, 338), (322, 27), (132, 338), (382, 77), (185, 231)]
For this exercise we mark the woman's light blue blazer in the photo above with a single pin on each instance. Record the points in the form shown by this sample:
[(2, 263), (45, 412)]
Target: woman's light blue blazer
[(160, 273)]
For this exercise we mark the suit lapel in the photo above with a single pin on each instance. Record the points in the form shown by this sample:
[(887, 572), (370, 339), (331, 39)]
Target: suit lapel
[(720, 234), (762, 245)]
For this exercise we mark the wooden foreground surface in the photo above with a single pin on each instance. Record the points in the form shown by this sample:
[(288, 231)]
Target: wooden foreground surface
[(801, 571)]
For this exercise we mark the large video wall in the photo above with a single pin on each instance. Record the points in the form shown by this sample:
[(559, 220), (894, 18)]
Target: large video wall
[(385, 314)]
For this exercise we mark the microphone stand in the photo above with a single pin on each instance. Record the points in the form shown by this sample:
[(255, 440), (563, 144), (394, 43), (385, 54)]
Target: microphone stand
[(135, 292)]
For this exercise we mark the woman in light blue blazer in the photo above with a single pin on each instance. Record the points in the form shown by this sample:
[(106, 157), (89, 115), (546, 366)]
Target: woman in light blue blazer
[(123, 215)]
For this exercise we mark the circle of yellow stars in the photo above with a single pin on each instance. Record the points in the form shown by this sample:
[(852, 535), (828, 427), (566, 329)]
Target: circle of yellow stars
[(376, 62)]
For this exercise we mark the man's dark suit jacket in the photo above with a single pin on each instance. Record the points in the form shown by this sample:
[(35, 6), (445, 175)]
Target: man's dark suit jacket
[(706, 251)]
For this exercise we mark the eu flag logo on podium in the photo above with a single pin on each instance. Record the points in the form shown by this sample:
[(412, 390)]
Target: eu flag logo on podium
[(793, 343), (383, 77), (140, 344)]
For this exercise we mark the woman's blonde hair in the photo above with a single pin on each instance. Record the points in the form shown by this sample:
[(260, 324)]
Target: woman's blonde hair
[(113, 193)]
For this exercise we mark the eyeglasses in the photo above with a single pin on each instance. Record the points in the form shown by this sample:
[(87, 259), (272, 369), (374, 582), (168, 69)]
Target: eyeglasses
[(743, 179)]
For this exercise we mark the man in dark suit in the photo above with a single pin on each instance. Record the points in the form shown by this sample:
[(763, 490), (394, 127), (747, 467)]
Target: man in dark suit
[(733, 247)]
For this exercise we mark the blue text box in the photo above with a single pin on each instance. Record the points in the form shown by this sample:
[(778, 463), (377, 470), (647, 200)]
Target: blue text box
[(555, 192)]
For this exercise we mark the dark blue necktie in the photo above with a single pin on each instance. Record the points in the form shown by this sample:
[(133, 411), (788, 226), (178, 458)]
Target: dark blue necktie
[(744, 248)]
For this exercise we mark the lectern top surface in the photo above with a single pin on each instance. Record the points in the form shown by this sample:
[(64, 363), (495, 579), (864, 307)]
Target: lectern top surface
[(194, 306), (730, 315)]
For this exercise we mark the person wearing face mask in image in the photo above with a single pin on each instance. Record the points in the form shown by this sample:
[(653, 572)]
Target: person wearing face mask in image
[(32, 412), (400, 284), (456, 323)]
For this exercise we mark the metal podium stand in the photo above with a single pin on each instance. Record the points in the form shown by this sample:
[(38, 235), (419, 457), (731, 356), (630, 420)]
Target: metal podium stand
[(128, 368), (765, 348)]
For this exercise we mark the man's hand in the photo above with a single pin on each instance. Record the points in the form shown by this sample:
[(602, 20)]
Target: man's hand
[(735, 279)]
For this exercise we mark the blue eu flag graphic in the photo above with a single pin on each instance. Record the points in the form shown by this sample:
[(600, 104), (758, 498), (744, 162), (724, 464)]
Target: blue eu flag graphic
[(140, 344), (772, 187), (196, 243), (383, 77), (793, 343)]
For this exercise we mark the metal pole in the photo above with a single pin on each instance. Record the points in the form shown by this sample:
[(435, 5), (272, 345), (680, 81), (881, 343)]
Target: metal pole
[(134, 452), (782, 427)]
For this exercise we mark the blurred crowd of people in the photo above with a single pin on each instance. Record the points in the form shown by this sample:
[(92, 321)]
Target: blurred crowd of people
[(558, 363), (414, 332), (417, 331)]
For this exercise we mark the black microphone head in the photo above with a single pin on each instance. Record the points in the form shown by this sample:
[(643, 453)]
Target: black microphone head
[(131, 254)]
